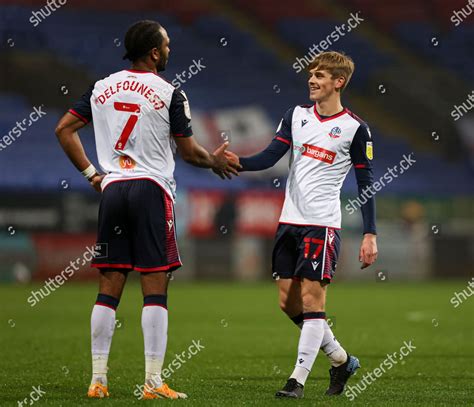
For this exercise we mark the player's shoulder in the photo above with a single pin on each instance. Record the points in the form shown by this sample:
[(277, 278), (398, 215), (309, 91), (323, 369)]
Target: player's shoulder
[(293, 111), (109, 78), (362, 129), (360, 122), (304, 108)]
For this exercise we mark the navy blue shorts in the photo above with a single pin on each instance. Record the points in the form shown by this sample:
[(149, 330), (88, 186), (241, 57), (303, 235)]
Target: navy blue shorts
[(136, 228), (305, 252)]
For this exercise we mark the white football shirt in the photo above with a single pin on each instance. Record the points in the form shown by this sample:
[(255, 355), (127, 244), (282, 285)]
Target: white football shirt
[(322, 153), (135, 114)]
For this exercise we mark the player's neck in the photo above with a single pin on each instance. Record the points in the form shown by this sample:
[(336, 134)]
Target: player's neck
[(329, 107), (143, 66)]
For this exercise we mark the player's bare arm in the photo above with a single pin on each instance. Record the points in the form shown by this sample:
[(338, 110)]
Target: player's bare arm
[(68, 136), (194, 154)]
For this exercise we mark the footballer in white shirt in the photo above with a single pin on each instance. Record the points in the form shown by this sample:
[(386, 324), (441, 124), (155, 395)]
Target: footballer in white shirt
[(325, 140), (140, 120)]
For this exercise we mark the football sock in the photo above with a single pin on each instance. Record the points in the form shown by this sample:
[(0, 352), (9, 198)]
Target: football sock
[(310, 341), (332, 348), (155, 334), (102, 330)]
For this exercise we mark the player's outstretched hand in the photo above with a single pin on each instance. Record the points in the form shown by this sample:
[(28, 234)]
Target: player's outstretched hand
[(96, 180), (232, 156), (368, 250), (225, 167)]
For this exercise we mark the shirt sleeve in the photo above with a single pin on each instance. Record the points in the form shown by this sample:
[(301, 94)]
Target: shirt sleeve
[(283, 132), (180, 115), (82, 108), (266, 158), (275, 150), (361, 152)]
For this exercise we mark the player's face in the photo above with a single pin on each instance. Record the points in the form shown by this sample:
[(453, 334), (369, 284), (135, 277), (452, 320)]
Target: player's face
[(321, 85), (164, 52)]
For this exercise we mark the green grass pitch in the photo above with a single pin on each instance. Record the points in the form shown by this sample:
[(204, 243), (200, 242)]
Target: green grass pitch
[(249, 345)]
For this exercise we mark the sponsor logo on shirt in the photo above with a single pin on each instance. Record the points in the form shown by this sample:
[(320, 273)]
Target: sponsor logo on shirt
[(303, 122), (126, 162), (335, 132), (298, 147), (319, 153)]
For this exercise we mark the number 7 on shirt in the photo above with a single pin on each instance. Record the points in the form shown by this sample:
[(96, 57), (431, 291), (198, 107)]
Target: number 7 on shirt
[(131, 122)]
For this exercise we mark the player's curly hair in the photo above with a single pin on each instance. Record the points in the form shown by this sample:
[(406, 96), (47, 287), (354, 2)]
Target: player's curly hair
[(336, 63), (141, 37)]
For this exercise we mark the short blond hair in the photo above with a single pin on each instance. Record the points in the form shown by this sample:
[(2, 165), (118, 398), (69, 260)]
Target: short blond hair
[(336, 63)]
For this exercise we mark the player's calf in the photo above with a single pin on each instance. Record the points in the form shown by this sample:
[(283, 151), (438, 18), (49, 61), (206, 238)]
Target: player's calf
[(289, 293)]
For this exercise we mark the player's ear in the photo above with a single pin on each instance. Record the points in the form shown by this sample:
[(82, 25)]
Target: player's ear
[(155, 54), (340, 83)]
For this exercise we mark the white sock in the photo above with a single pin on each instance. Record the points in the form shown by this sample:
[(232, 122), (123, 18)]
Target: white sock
[(310, 341), (155, 334), (102, 330), (332, 348), (99, 369)]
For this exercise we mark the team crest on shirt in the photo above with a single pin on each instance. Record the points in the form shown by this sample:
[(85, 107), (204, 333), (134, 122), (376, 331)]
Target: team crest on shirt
[(335, 132), (369, 150)]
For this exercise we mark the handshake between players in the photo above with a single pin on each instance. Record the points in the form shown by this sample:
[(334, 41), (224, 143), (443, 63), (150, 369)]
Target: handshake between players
[(135, 149)]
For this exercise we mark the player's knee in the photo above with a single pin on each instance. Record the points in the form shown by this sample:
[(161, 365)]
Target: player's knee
[(154, 283), (112, 282)]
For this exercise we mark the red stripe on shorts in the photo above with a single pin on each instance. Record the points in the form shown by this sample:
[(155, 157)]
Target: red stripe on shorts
[(330, 253), (171, 244)]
